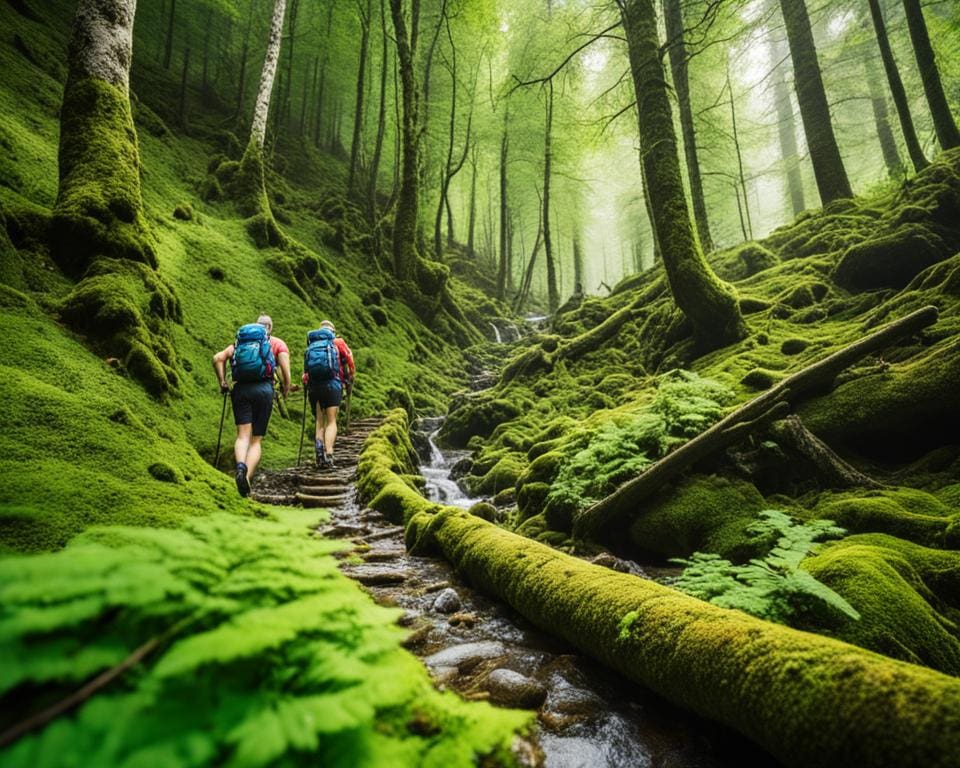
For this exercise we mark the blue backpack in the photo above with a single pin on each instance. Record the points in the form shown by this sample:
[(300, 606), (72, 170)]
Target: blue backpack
[(322, 359), (252, 359)]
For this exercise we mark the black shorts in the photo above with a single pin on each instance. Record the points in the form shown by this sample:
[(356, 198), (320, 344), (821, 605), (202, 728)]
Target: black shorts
[(253, 404), (328, 393)]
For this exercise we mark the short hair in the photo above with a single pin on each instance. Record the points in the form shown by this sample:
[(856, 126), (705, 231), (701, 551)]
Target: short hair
[(327, 324), (266, 322)]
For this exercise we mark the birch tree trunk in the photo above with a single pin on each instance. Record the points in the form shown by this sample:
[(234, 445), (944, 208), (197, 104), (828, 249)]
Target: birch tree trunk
[(710, 304), (98, 225), (261, 110)]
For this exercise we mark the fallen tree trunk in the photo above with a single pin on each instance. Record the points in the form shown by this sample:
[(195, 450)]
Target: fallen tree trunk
[(807, 699), (625, 500)]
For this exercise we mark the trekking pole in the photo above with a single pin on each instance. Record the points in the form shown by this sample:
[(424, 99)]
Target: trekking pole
[(223, 413), (303, 423)]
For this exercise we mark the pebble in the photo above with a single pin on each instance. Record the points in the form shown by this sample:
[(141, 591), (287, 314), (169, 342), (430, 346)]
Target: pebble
[(511, 689), (467, 620), (447, 601), (466, 656)]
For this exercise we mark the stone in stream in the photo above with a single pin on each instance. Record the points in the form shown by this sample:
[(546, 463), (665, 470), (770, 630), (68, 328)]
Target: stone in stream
[(511, 689), (447, 601), (614, 563), (371, 576), (444, 675), (465, 657), (463, 619)]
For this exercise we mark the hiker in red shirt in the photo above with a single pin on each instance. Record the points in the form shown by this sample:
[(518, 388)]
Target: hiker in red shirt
[(328, 371)]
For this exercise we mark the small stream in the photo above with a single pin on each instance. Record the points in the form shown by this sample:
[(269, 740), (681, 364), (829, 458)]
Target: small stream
[(588, 716)]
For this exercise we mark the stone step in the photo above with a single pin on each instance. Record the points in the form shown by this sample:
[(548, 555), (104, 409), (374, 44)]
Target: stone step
[(322, 501)]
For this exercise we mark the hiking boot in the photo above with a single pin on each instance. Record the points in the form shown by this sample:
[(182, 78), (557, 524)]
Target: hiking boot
[(321, 456), (243, 485), (328, 461)]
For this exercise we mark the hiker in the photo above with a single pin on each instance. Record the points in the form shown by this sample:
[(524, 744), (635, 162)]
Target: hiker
[(253, 357), (328, 371)]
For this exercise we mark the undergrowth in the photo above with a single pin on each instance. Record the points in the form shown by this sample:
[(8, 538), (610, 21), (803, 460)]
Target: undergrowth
[(773, 587)]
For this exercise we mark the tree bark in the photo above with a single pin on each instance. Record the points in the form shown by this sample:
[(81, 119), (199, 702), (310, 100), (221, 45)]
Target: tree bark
[(946, 128), (881, 116), (168, 46), (897, 90), (605, 514), (578, 263), (505, 267), (286, 100), (244, 54), (365, 13), (736, 146), (673, 16), (834, 470), (472, 215), (182, 108), (318, 112), (407, 217), (553, 294), (261, 110), (787, 131), (381, 121), (828, 168), (709, 304)]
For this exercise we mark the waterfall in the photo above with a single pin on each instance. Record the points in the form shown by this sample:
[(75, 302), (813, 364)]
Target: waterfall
[(496, 333)]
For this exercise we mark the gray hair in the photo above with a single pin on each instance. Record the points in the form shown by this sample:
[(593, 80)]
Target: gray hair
[(266, 322), (327, 324)]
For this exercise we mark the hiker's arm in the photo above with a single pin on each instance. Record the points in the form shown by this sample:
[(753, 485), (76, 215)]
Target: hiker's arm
[(283, 360), (220, 368)]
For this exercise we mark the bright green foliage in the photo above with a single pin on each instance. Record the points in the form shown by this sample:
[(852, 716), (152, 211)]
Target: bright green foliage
[(773, 587), (685, 405), (267, 655)]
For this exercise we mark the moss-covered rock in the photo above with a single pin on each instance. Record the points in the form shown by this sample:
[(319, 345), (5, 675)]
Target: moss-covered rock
[(890, 260)]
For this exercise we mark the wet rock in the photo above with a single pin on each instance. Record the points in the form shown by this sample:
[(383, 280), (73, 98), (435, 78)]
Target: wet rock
[(462, 619), (409, 618), (447, 601), (372, 576), (565, 699), (511, 689), (416, 637), (615, 563), (383, 555), (466, 656), (444, 675), (436, 586)]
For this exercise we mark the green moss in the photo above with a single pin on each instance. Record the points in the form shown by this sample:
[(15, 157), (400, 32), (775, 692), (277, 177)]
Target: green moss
[(701, 514), (759, 379), (755, 258), (908, 597), (890, 260)]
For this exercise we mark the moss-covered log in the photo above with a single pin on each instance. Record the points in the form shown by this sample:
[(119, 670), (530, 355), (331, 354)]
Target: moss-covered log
[(602, 516), (809, 700)]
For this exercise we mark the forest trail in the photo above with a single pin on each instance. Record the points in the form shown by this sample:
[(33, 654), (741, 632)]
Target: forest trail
[(484, 650)]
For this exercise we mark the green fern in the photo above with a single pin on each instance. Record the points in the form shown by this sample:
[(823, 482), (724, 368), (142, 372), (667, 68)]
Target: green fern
[(773, 587), (272, 657)]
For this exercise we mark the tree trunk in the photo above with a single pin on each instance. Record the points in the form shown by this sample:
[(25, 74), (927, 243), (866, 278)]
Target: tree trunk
[(168, 46), (786, 130), (947, 133), (897, 90), (381, 121), (472, 216), (318, 113), (182, 107), (406, 220), (673, 16), (553, 295), (505, 266), (626, 499), (828, 166), (448, 162), (527, 281), (204, 81), (878, 102), (283, 114), (365, 14), (709, 304), (308, 88), (736, 146), (98, 215), (244, 54), (261, 110), (578, 263)]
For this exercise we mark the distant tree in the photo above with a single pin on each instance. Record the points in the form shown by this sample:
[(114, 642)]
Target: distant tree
[(364, 13), (881, 117), (897, 90), (673, 17), (828, 168), (946, 128), (786, 125), (710, 304)]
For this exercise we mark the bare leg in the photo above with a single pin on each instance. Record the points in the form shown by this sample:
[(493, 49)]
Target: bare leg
[(330, 430), (241, 446), (253, 455)]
